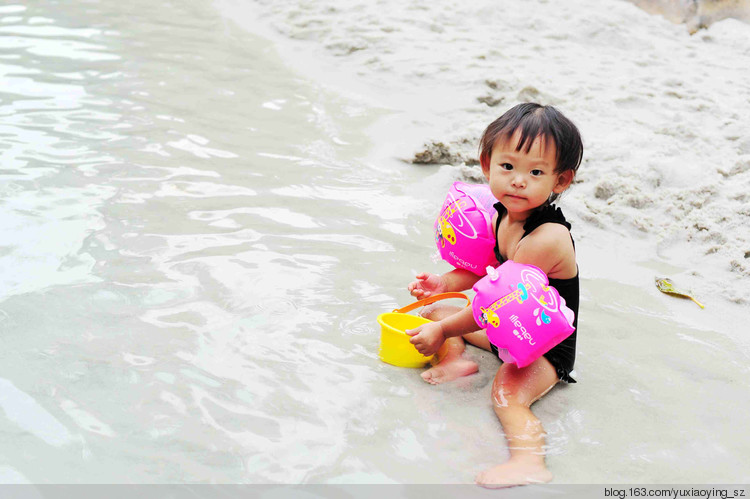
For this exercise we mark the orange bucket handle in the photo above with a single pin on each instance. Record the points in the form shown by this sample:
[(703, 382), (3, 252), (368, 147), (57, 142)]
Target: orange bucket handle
[(431, 299)]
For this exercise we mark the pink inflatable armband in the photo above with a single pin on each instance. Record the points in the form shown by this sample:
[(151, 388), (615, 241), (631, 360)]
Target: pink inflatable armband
[(524, 316), (463, 231)]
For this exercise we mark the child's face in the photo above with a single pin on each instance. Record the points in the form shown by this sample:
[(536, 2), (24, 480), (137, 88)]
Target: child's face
[(523, 181)]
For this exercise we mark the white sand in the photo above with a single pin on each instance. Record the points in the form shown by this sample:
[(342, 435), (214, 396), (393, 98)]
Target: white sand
[(664, 115)]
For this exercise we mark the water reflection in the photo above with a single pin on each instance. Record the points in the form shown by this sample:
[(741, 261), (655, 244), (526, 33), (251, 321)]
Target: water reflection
[(172, 311)]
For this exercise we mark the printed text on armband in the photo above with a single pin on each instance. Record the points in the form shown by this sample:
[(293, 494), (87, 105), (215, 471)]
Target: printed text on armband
[(463, 263), (520, 332)]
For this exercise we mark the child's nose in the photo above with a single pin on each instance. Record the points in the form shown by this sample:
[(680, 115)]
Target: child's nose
[(518, 181)]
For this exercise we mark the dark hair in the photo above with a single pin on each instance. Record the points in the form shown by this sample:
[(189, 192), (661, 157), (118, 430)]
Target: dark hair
[(534, 120)]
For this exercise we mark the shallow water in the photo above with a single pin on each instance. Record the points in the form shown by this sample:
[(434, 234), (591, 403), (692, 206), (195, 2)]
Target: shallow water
[(197, 242)]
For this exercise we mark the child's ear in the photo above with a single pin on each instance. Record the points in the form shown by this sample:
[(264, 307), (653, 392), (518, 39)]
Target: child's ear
[(564, 180), (486, 169)]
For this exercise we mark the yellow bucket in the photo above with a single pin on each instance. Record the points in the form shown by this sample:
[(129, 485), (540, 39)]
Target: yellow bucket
[(394, 342), (395, 347)]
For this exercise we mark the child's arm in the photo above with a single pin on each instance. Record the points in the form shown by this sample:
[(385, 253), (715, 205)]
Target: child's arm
[(460, 279), (429, 284), (428, 338)]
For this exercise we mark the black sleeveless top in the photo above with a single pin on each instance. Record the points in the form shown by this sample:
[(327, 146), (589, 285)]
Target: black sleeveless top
[(562, 356)]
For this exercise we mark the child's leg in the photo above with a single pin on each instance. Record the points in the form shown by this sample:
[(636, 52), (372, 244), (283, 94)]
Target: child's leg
[(513, 392), (450, 362)]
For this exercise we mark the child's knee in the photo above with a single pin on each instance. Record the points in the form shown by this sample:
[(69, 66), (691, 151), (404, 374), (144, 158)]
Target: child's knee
[(521, 387), (436, 312), (503, 397), (429, 312), (508, 393)]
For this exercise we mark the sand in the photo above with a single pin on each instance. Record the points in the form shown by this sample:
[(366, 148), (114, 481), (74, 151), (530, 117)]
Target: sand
[(663, 113)]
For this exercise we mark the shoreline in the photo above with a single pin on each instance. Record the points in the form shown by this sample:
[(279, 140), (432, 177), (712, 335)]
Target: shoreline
[(665, 160), (646, 357), (204, 234)]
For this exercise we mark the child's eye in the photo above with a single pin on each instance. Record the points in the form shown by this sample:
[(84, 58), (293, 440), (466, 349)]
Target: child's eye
[(537, 173), (506, 166)]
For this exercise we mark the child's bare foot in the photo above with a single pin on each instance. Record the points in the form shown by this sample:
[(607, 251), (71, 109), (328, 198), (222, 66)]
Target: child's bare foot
[(514, 472), (448, 370)]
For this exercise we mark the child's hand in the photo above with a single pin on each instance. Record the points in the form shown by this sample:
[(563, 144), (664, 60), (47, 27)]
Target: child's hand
[(427, 338), (427, 285)]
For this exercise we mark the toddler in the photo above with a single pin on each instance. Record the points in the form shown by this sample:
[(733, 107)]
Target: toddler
[(529, 156)]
